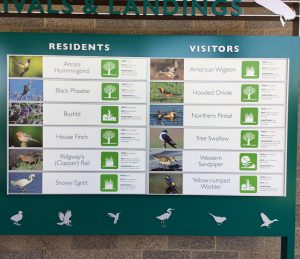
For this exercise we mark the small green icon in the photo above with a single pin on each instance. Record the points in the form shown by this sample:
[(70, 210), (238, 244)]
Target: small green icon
[(109, 183), (249, 138), (109, 160), (109, 137), (248, 184), (248, 161), (250, 93), (110, 91), (250, 69), (249, 116), (109, 114), (109, 68)]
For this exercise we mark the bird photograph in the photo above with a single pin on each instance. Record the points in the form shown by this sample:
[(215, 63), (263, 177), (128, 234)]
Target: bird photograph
[(17, 218), (219, 220), (161, 183), (165, 161), (266, 221), (26, 160), (166, 115), (167, 69), (23, 66), (65, 218), (165, 216), (25, 90), (25, 136), (25, 183), (166, 92), (166, 138), (26, 113), (115, 216)]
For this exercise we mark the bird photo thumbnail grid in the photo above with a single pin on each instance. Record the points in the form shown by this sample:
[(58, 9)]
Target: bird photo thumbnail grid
[(165, 160), (160, 183), (166, 115), (25, 136), (25, 183), (166, 92)]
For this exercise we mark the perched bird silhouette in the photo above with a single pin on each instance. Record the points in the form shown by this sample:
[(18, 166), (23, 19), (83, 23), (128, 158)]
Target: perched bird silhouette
[(114, 216), (26, 89), (17, 218), (218, 220), (24, 138), (65, 218), (267, 222), (170, 71), (166, 139), (280, 8), (167, 94), (30, 158), (25, 66), (165, 217), (22, 183), (165, 160)]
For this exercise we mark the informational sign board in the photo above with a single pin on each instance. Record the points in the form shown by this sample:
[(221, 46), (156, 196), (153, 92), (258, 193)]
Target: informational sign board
[(175, 131)]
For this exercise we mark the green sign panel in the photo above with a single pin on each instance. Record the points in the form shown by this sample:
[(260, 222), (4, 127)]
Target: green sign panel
[(150, 134)]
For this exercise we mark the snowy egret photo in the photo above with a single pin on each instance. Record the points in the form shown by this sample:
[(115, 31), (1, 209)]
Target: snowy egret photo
[(165, 183), (25, 136), (25, 159), (25, 90), (166, 92), (166, 115), (169, 138), (165, 161), (25, 113), (25, 183), (25, 66), (167, 69)]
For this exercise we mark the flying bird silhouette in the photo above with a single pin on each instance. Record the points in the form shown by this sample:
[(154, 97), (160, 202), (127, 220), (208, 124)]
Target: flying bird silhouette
[(17, 218), (25, 66), (280, 8), (218, 220), (65, 218), (22, 183), (114, 216), (267, 222), (165, 217), (166, 139)]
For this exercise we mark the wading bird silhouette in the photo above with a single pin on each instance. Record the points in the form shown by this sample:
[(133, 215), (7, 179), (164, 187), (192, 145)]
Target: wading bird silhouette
[(165, 217)]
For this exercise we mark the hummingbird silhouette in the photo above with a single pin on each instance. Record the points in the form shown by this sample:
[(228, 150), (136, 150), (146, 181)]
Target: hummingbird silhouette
[(25, 66)]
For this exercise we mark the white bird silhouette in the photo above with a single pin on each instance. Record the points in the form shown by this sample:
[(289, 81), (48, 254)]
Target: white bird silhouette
[(218, 220), (17, 218), (22, 183), (114, 216), (164, 217), (280, 8), (65, 218), (266, 220)]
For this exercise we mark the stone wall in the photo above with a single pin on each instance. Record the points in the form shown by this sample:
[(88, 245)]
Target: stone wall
[(156, 247)]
